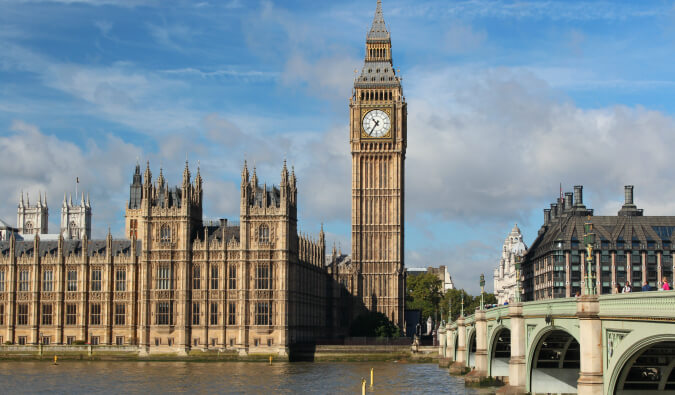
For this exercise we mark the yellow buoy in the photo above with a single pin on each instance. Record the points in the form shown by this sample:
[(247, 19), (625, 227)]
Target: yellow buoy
[(270, 359), (55, 359), (371, 377), (363, 386)]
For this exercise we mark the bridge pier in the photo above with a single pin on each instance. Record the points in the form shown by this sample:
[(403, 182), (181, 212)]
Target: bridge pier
[(459, 367), (590, 344), (481, 344), (517, 366), (450, 342)]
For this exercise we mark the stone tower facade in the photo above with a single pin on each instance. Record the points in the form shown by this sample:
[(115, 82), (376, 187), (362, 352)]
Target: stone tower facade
[(75, 218), (505, 273), (32, 220), (378, 145)]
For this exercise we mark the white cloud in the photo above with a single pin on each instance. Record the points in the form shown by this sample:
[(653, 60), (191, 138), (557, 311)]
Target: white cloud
[(36, 161), (462, 37)]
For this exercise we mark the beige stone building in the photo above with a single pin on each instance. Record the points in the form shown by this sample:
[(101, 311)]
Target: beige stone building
[(177, 283), (375, 274)]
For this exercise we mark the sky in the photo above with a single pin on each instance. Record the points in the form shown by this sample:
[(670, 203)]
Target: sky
[(507, 100)]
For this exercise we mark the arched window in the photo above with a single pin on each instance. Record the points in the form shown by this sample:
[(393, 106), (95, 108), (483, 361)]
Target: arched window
[(28, 228), (264, 234), (165, 234)]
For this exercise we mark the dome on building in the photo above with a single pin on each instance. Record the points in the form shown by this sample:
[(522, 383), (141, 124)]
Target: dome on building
[(517, 245)]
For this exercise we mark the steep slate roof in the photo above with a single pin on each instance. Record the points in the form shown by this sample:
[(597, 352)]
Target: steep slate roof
[(638, 229), (216, 232), (378, 31)]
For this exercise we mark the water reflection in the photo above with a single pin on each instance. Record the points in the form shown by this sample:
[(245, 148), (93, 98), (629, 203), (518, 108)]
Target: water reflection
[(79, 377)]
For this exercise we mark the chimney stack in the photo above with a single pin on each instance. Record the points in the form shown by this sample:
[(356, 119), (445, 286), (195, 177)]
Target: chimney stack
[(547, 216), (578, 195), (568, 201), (628, 192), (554, 210)]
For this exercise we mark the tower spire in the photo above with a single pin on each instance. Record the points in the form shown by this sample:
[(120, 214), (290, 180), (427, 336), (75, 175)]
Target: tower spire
[(378, 31)]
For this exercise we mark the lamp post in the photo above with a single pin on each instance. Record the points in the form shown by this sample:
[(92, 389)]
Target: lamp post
[(589, 240), (461, 313), (517, 297), (482, 291)]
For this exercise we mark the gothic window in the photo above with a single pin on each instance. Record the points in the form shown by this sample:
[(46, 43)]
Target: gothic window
[(231, 310), (264, 234), (28, 228), (72, 280), (195, 314), (262, 276), (95, 316), (163, 313), (71, 314), (214, 313), (73, 230), (96, 280), (121, 279), (120, 314), (47, 280), (262, 313), (165, 234), (23, 280), (232, 277), (22, 314), (163, 277), (46, 314), (214, 277), (2, 314), (2, 281), (196, 278)]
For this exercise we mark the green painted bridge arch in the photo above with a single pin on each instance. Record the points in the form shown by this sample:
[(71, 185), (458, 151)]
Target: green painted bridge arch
[(608, 344)]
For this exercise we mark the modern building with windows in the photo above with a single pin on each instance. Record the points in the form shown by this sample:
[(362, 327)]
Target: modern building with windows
[(629, 247)]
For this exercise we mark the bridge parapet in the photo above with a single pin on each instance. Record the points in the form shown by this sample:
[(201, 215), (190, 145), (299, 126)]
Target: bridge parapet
[(654, 305)]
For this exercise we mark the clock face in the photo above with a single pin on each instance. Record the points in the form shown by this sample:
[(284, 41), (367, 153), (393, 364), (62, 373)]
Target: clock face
[(376, 123)]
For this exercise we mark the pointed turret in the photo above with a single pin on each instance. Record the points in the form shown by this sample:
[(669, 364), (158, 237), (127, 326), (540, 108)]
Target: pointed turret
[(46, 199), (284, 175), (65, 200), (70, 200), (244, 174), (21, 201), (378, 30), (82, 200), (88, 204), (254, 178), (39, 199), (148, 174), (186, 174)]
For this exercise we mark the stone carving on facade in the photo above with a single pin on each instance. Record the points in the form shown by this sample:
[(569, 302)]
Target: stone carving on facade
[(505, 273), (613, 340)]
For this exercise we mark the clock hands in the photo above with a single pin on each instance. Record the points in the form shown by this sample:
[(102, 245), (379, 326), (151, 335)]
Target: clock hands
[(374, 126)]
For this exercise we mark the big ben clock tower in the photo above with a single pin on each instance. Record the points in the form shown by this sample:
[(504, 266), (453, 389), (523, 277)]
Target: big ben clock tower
[(378, 144)]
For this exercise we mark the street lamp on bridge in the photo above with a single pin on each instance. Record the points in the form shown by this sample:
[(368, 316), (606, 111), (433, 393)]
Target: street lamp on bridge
[(482, 291), (589, 240)]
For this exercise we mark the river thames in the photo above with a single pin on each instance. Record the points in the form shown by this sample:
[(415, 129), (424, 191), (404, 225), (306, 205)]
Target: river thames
[(96, 377)]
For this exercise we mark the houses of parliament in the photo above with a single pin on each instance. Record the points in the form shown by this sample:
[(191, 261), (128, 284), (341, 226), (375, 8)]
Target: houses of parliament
[(175, 282)]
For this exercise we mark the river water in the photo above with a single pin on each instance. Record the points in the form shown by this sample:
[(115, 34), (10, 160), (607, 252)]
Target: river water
[(77, 377)]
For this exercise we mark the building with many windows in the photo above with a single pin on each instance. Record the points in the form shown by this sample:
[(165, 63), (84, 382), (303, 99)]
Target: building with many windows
[(629, 247), (177, 282)]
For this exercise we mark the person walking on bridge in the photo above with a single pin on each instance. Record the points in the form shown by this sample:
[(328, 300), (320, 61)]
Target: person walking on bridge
[(665, 286), (627, 288), (646, 287)]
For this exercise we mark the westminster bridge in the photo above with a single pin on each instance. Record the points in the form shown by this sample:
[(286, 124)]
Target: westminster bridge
[(608, 344)]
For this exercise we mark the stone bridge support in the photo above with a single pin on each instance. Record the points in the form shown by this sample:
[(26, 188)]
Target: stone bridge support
[(450, 341), (590, 341), (517, 364), (459, 367), (481, 344)]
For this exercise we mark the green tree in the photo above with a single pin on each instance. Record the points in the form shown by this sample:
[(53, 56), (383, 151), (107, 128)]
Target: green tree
[(453, 297), (373, 324), (423, 292)]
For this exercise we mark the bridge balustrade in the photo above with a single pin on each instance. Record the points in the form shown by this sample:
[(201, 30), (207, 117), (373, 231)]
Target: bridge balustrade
[(607, 344)]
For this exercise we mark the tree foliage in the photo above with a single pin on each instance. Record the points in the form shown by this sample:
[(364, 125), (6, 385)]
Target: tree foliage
[(423, 292), (373, 324)]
